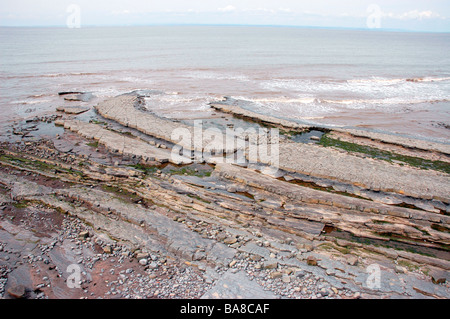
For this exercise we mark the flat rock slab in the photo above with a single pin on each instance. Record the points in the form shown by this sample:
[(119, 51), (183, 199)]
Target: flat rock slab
[(254, 249), (122, 110), (123, 144), (407, 142), (358, 216), (237, 286), (21, 190), (72, 109), (19, 283), (4, 199), (179, 240), (399, 140), (77, 96), (364, 172), (241, 112)]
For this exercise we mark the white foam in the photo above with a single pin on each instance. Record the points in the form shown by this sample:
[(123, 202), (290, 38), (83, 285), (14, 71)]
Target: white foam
[(28, 102), (209, 75)]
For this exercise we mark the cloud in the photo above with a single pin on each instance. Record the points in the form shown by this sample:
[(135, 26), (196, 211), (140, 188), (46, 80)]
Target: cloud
[(285, 10), (121, 12), (227, 9), (419, 15), (413, 15)]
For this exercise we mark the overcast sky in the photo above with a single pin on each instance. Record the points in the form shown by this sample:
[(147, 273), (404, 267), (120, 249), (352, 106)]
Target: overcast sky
[(413, 15)]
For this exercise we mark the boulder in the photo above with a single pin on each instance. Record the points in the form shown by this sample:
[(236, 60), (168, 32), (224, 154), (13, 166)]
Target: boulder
[(438, 276), (17, 292)]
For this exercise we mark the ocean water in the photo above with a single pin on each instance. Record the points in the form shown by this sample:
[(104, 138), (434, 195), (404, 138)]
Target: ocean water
[(386, 81)]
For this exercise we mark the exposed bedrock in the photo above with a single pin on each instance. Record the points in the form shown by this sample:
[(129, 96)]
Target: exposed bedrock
[(122, 110), (358, 216), (364, 172), (326, 212), (209, 221)]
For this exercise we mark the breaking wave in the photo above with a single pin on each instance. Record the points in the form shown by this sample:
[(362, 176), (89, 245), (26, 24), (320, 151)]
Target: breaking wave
[(395, 81)]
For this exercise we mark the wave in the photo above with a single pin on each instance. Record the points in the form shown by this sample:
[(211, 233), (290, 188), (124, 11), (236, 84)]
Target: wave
[(392, 101), (48, 75), (56, 75), (303, 100), (428, 79), (37, 96), (210, 75), (23, 102), (363, 85), (400, 80), (351, 103)]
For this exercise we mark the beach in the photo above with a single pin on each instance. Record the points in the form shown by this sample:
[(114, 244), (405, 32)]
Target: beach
[(173, 178)]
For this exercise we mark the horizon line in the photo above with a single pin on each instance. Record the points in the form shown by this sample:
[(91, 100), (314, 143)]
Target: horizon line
[(228, 25)]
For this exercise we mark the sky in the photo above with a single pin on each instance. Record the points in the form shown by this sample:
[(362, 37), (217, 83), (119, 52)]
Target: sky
[(408, 15)]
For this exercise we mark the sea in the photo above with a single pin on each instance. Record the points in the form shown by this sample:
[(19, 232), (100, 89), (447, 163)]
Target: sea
[(394, 82)]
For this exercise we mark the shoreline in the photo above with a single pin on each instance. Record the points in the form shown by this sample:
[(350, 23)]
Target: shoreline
[(306, 232)]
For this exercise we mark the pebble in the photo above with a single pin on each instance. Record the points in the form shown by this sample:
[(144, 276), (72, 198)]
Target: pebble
[(276, 275), (153, 265), (230, 240), (143, 261), (400, 269), (270, 265), (286, 279)]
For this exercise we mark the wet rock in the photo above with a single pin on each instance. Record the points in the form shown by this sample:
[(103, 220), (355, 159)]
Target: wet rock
[(439, 276), (308, 247), (270, 265), (153, 265), (69, 93), (143, 261), (352, 260), (230, 240), (276, 275), (199, 255), (400, 269), (286, 279), (72, 109), (83, 235), (18, 291), (122, 109), (237, 286), (140, 256), (311, 261), (78, 96)]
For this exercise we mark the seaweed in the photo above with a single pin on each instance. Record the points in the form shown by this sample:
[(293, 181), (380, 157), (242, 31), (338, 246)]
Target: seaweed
[(190, 172), (391, 157)]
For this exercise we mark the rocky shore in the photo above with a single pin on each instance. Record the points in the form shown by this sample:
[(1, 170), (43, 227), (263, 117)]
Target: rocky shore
[(349, 214)]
